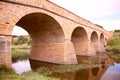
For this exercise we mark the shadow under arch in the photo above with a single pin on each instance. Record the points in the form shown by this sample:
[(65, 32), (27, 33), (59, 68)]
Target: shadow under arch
[(79, 39), (94, 40), (47, 37), (102, 38), (102, 42)]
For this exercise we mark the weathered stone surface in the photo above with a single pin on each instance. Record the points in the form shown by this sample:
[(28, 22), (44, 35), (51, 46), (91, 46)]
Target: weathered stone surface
[(4, 45), (5, 55)]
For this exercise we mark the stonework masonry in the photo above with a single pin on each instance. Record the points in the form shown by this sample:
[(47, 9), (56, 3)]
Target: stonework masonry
[(57, 34)]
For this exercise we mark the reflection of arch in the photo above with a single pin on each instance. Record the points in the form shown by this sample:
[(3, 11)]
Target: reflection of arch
[(46, 34), (82, 74), (103, 64), (95, 71), (94, 40), (80, 40)]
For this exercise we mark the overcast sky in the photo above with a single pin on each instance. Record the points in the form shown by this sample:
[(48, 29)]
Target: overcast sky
[(103, 12)]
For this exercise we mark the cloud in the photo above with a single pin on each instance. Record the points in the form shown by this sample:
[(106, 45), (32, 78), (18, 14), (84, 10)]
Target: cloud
[(90, 8)]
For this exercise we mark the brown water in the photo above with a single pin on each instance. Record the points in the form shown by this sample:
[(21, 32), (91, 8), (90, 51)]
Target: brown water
[(111, 72)]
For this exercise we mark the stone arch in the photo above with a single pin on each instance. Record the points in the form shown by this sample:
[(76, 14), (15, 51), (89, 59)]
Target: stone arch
[(47, 37), (5, 60), (102, 38), (94, 40), (79, 39), (102, 42)]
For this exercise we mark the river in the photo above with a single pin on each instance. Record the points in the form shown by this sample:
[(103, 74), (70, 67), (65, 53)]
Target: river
[(110, 70)]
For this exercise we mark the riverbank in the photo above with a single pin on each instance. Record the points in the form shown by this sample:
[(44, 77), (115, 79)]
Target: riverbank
[(6, 74), (113, 47), (21, 51), (44, 73)]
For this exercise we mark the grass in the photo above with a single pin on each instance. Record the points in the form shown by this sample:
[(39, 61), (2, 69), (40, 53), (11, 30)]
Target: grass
[(113, 47), (43, 73), (114, 56), (10, 75), (115, 41), (20, 47), (23, 46), (18, 54)]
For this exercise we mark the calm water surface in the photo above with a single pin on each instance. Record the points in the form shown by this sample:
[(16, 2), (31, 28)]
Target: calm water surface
[(111, 72)]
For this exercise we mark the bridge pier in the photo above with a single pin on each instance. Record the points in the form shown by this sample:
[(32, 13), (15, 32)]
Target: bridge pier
[(91, 49), (5, 56), (58, 53), (69, 53), (102, 48), (102, 43)]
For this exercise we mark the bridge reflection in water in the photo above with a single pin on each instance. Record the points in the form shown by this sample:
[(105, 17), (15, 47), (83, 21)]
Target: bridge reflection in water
[(95, 73)]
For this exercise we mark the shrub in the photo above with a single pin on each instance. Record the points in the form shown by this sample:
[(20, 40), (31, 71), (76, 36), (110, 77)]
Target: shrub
[(21, 40), (29, 41)]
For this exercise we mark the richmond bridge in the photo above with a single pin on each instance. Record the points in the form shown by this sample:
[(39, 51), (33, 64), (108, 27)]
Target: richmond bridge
[(57, 34)]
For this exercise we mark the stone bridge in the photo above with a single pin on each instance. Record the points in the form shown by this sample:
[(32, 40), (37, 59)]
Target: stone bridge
[(57, 34)]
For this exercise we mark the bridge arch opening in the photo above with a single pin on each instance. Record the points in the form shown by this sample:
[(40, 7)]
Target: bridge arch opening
[(80, 41), (47, 36), (94, 40), (102, 42), (21, 43), (102, 38)]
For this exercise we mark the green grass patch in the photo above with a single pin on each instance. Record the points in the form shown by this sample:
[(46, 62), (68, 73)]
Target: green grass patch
[(65, 68), (20, 47), (114, 56), (18, 54), (115, 49), (113, 46), (10, 75), (114, 42)]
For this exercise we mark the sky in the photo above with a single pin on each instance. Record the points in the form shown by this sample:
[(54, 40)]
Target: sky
[(102, 12)]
